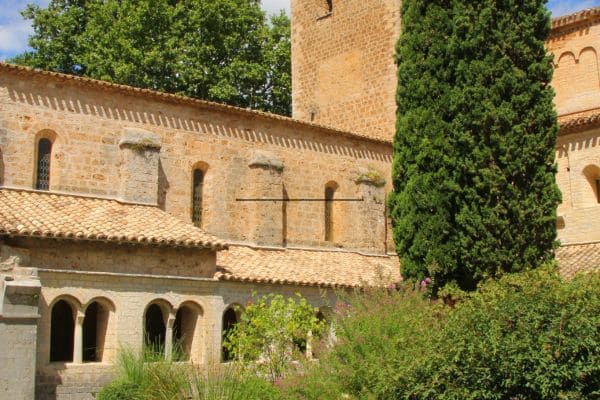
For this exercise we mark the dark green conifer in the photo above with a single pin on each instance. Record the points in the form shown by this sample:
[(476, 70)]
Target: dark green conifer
[(474, 173)]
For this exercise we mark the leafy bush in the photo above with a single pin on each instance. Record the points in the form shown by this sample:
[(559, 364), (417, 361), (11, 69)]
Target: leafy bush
[(526, 336), (271, 330)]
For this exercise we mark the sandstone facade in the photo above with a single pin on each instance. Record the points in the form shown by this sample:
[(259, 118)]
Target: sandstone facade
[(343, 72), (107, 253)]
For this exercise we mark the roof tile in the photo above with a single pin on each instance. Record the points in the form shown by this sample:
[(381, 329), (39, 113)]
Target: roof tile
[(574, 258), (332, 268), (50, 215)]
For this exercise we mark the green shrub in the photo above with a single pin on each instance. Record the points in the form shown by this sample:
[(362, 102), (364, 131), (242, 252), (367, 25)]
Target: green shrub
[(272, 331), (381, 336), (526, 336)]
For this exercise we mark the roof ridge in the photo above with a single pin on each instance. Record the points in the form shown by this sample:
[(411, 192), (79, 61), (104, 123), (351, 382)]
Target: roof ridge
[(310, 248), (579, 243), (78, 195)]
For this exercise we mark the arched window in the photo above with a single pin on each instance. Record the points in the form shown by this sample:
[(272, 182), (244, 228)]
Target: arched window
[(184, 330), (44, 152), (329, 194), (95, 325), (198, 181), (592, 175), (230, 319), (155, 330), (62, 332)]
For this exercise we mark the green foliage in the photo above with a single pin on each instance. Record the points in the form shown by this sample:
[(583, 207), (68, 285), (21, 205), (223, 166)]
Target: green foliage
[(268, 331), (473, 171), (527, 336), (147, 376), (233, 384), (222, 50), (383, 337)]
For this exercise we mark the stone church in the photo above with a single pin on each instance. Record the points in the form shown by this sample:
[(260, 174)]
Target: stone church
[(129, 216)]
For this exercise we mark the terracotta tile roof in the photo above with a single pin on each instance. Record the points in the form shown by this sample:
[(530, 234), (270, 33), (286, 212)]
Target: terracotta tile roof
[(567, 20), (339, 269), (579, 122), (178, 99), (47, 215), (573, 258)]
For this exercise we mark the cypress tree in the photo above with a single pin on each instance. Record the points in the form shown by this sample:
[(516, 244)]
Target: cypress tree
[(474, 172)]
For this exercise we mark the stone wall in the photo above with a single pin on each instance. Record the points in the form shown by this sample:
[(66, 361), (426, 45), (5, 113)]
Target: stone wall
[(343, 72), (578, 162), (128, 297), (87, 122), (576, 75), (124, 259)]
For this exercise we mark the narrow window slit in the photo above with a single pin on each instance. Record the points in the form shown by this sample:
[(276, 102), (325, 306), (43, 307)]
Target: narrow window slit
[(43, 164)]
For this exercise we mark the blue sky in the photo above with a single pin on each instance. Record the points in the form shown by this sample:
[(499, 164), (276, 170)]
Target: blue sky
[(14, 30)]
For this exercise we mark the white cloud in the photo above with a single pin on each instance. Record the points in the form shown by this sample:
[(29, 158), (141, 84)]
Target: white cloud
[(274, 6), (14, 30), (13, 36)]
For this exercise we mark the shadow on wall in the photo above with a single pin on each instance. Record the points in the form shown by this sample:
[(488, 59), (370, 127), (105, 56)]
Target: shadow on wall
[(579, 143), (163, 187), (284, 217), (1, 168), (204, 123)]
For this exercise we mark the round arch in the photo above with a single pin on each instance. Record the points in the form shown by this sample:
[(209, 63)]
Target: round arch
[(592, 176), (63, 313), (97, 315), (155, 321), (186, 332), (230, 317), (74, 301)]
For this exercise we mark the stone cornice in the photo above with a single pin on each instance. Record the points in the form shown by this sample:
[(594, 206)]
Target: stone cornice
[(580, 124), (565, 23)]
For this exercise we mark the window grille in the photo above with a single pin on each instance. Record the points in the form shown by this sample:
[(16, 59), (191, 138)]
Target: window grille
[(329, 191), (197, 197), (43, 164)]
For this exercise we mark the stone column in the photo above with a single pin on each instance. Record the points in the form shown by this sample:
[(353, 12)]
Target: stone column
[(19, 298), (169, 336), (78, 339)]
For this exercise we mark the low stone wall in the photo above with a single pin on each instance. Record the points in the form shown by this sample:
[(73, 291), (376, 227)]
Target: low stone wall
[(72, 382)]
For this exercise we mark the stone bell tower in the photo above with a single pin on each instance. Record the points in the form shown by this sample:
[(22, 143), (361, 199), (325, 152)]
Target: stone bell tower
[(343, 72)]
